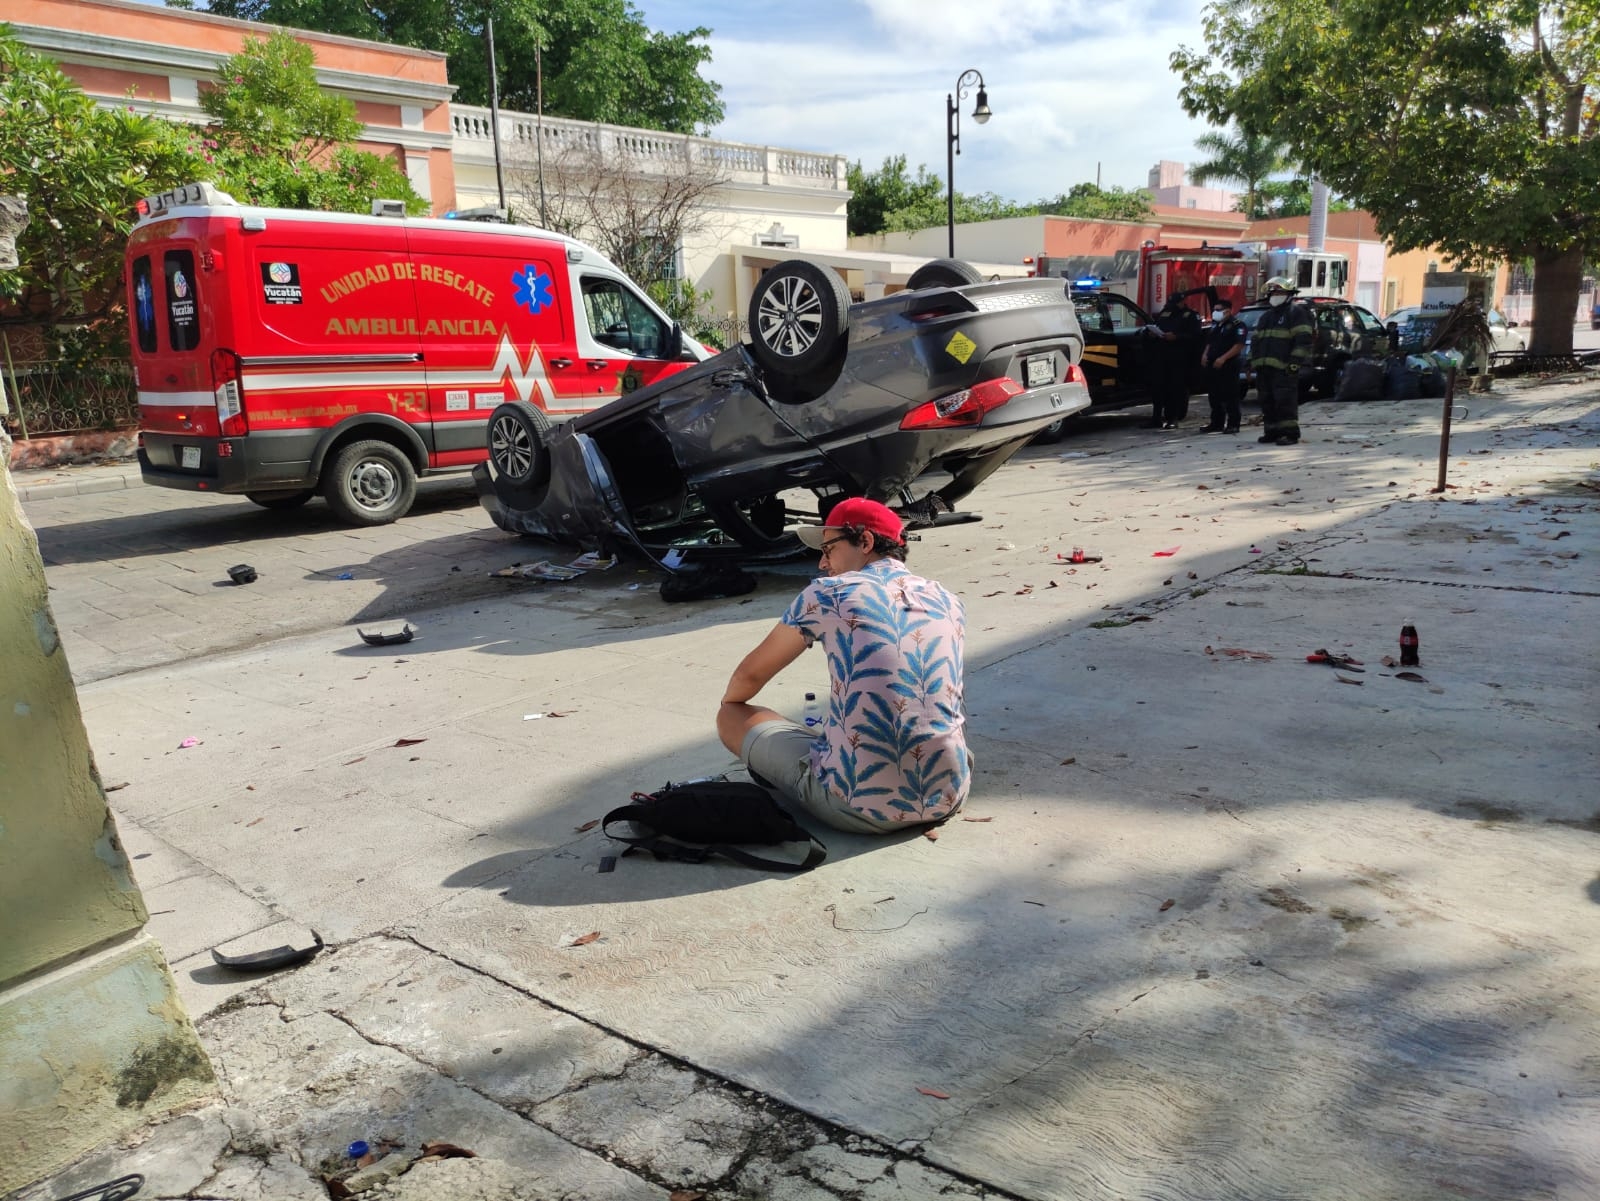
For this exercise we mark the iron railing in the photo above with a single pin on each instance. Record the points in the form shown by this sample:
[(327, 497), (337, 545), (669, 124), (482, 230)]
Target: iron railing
[(51, 398)]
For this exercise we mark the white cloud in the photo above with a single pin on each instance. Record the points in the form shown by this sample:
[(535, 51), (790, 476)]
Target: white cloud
[(1073, 84)]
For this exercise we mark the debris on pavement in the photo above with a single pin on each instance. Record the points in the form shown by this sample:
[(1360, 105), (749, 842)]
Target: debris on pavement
[(1166, 905), (977, 819), (587, 826), (1414, 677), (1322, 655), (187, 743), (408, 741), (592, 561), (438, 1149), (542, 570), (931, 833), (1168, 553), (934, 1093), (1239, 652), (1348, 679), (388, 637), (287, 955), (119, 1189), (578, 940), (242, 573)]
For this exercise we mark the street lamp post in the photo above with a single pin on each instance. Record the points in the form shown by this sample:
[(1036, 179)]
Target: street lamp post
[(952, 131)]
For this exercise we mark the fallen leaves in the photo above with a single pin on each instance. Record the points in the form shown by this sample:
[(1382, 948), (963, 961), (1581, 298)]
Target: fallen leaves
[(408, 741), (1166, 905), (934, 1093), (581, 940), (588, 825), (931, 833), (1069, 761), (1412, 676)]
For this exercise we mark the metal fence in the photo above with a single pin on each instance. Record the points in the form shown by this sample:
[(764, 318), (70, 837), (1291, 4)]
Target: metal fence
[(46, 399)]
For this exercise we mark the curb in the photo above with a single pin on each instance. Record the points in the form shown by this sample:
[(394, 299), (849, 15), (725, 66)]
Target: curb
[(58, 488)]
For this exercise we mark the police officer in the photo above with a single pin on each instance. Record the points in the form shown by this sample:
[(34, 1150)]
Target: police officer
[(1280, 349), (1178, 327), (1220, 359)]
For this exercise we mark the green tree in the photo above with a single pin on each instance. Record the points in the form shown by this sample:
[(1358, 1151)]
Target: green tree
[(876, 194), (278, 139), (598, 59), (1466, 125), (83, 170), (1100, 204), (1289, 198), (1243, 157)]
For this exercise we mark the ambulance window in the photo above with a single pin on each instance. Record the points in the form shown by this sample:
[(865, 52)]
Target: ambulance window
[(620, 320), (183, 311), (1322, 275), (144, 305)]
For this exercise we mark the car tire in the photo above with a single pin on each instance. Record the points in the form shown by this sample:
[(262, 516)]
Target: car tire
[(1052, 432), (799, 319), (944, 273), (280, 500), (372, 483), (519, 451)]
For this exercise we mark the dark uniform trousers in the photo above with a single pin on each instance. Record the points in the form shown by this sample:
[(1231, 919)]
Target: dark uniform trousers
[(1279, 393), (1222, 389)]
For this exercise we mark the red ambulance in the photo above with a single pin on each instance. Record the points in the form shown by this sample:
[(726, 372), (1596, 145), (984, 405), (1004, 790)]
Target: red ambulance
[(280, 353)]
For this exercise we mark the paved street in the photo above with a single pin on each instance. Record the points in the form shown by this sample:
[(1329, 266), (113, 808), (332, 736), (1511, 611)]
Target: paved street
[(1225, 924)]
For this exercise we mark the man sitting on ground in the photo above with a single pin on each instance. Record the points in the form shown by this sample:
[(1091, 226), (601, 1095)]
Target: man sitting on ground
[(892, 753)]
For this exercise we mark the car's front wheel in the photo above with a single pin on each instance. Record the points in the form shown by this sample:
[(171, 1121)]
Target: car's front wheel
[(799, 319)]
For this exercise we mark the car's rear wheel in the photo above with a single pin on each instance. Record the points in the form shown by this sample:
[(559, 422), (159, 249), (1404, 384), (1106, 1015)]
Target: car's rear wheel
[(799, 319), (372, 483), (1053, 431), (518, 434), (944, 273), (281, 500)]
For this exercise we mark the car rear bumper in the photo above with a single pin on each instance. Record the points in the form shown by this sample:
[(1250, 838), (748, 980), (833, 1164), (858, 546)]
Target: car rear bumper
[(259, 462)]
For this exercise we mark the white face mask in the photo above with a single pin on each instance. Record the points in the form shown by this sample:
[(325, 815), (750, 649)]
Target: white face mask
[(1276, 299), (1219, 314)]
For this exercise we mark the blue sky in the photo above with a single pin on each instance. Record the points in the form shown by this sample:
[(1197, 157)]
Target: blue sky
[(1073, 83)]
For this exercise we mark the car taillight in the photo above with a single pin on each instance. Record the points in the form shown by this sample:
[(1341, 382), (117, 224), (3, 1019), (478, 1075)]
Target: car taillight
[(965, 407), (231, 419), (1075, 375)]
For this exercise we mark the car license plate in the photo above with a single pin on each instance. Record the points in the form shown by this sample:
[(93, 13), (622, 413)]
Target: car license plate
[(1039, 370), (191, 456)]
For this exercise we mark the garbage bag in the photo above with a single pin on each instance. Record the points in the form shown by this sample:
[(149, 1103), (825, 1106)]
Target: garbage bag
[(1361, 379), (1399, 381)]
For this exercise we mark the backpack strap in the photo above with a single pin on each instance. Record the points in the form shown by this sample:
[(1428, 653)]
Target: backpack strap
[(664, 848)]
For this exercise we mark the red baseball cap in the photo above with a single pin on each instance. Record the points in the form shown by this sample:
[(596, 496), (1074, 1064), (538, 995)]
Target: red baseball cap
[(857, 511)]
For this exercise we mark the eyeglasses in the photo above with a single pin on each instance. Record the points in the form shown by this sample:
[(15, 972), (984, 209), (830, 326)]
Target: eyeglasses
[(828, 544)]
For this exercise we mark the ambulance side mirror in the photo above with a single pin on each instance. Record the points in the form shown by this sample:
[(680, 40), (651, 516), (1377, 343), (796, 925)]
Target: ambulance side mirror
[(675, 339)]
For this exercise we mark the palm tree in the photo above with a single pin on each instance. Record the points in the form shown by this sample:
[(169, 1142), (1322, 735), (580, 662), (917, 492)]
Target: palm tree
[(1245, 158)]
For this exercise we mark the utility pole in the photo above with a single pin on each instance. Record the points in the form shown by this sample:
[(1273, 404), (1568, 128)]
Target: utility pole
[(494, 112)]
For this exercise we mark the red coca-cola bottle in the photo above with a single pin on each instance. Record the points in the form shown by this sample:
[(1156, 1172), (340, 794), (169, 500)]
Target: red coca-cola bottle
[(1410, 646)]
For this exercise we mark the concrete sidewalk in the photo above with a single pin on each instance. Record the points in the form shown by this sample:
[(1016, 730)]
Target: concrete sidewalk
[(1220, 923), (44, 483)]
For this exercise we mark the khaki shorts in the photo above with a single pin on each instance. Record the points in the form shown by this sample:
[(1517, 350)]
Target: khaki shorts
[(779, 752)]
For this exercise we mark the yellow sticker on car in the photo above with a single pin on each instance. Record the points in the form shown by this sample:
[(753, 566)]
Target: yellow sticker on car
[(960, 347)]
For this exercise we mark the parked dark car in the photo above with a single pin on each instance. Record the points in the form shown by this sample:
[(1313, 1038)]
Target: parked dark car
[(1119, 355), (912, 399), (1344, 331)]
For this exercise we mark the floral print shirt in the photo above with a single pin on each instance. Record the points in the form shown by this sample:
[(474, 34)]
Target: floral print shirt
[(893, 746)]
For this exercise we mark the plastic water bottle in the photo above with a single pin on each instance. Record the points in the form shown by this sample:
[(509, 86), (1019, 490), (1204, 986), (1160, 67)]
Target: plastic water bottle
[(1410, 645), (811, 712)]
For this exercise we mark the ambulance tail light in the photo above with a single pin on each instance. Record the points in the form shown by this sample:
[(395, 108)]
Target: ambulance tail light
[(231, 419), (966, 407)]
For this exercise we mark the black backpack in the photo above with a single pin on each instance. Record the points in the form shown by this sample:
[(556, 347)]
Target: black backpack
[(690, 822)]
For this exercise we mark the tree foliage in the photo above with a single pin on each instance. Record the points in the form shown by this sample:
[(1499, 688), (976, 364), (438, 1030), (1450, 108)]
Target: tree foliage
[(1466, 125), (82, 169), (278, 139), (874, 195), (1103, 204), (598, 58), (1242, 157)]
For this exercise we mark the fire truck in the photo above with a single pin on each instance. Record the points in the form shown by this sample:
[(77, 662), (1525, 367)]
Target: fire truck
[(1154, 274)]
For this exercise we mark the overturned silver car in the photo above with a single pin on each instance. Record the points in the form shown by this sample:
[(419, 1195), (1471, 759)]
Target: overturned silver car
[(913, 400)]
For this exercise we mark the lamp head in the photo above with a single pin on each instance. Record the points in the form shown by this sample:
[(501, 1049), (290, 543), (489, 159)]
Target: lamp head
[(981, 113)]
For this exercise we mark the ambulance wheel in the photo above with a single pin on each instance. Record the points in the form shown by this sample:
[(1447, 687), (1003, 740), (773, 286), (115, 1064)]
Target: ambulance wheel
[(372, 483), (280, 500), (944, 273), (799, 319), (517, 436)]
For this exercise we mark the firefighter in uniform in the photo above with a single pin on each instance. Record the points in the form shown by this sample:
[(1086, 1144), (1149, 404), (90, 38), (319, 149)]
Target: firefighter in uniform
[(1280, 348)]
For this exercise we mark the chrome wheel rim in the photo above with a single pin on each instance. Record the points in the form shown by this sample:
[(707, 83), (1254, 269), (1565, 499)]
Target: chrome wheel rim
[(511, 448), (790, 316)]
